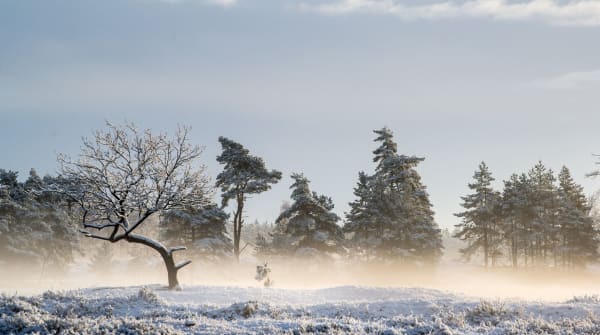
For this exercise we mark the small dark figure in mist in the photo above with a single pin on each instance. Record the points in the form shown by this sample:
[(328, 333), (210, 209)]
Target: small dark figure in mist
[(262, 273)]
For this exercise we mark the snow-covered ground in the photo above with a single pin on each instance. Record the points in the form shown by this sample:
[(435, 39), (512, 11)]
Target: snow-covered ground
[(254, 310)]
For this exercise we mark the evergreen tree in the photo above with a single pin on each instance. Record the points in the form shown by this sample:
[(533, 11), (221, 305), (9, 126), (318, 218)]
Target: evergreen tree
[(9, 179), (513, 210), (529, 223), (578, 236), (542, 234), (360, 221), (201, 230), (10, 182), (308, 227), (392, 215), (479, 226), (34, 183), (242, 175)]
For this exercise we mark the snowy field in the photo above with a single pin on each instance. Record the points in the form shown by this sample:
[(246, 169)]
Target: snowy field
[(253, 310)]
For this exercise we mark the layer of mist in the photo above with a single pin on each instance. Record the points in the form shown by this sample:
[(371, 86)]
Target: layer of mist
[(529, 284)]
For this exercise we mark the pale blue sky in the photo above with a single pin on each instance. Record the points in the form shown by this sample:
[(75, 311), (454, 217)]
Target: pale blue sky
[(303, 84)]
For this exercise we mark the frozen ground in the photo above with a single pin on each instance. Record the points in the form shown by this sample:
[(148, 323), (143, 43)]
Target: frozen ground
[(339, 310)]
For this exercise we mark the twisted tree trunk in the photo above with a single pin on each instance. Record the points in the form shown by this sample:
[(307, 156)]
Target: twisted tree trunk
[(166, 254)]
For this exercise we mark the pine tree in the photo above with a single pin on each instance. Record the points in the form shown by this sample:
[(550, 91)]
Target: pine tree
[(201, 230), (34, 183), (512, 208), (360, 221), (10, 182), (479, 226), (579, 240), (242, 175), (308, 227), (542, 235), (392, 216)]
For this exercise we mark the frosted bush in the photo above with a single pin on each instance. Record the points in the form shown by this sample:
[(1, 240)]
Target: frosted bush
[(262, 274), (586, 299), (489, 313), (147, 295)]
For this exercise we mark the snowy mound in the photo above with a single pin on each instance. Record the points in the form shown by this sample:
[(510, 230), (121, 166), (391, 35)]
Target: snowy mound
[(340, 310)]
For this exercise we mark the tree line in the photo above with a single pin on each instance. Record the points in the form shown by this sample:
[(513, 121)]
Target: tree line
[(36, 226), (391, 219), (124, 175), (538, 219)]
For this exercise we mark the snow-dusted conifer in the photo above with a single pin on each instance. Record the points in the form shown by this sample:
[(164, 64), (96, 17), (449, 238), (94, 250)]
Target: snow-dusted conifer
[(579, 240), (308, 227), (516, 214), (10, 182), (242, 175), (479, 226), (34, 183), (202, 230), (542, 237), (396, 218), (360, 221)]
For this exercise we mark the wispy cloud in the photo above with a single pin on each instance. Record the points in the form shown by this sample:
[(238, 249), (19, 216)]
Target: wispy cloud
[(224, 3), (569, 13), (570, 81)]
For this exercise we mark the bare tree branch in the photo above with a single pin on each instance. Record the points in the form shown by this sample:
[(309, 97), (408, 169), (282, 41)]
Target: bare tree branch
[(174, 249), (88, 234), (182, 264)]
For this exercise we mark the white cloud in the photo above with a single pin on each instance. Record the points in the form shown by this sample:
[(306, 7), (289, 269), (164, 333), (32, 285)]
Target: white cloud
[(570, 13), (224, 3), (570, 81)]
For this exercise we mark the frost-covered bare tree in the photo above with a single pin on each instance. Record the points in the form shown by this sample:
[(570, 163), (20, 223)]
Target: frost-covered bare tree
[(124, 175)]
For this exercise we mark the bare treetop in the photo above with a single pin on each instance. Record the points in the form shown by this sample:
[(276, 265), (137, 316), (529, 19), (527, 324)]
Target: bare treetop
[(123, 172), (123, 175)]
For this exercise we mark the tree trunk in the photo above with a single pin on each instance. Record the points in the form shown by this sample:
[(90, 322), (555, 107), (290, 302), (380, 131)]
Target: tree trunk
[(486, 247), (237, 226), (165, 253), (236, 238), (514, 246), (172, 273)]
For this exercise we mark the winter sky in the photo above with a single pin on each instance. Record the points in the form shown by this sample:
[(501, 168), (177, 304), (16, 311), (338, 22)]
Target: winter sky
[(303, 83)]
